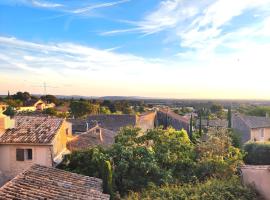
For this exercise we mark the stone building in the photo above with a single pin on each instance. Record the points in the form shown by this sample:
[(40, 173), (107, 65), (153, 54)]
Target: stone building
[(27, 140), (252, 128)]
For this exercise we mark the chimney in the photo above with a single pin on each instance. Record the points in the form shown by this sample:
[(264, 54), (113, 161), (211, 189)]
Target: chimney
[(99, 134), (5, 122)]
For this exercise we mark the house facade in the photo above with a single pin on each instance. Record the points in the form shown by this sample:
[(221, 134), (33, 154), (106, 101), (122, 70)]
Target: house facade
[(28, 140), (35, 105), (252, 128)]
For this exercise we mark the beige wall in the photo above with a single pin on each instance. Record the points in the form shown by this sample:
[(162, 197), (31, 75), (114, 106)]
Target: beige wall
[(60, 141), (259, 177), (11, 167), (255, 133), (146, 121)]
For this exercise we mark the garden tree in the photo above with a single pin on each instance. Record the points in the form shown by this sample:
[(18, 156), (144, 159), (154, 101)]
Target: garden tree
[(82, 108), (216, 156), (104, 110), (158, 157), (50, 99), (229, 117), (50, 111), (22, 96), (213, 189), (14, 103), (215, 108), (10, 111)]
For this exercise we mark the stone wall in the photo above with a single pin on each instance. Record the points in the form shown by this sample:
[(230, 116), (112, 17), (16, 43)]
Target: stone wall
[(259, 177)]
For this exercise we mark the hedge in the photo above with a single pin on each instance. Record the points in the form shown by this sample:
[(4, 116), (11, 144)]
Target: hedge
[(213, 189), (257, 153)]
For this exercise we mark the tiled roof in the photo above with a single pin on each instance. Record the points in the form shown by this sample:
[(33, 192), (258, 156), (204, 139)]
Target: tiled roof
[(113, 122), (91, 139), (255, 122), (39, 182), (32, 129), (213, 123), (80, 125), (32, 102), (173, 115)]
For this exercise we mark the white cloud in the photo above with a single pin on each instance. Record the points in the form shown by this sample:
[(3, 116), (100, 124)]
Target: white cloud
[(44, 4), (90, 71), (96, 6)]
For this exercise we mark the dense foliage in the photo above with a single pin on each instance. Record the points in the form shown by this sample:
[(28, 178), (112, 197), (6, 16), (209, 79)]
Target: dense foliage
[(257, 153), (159, 157), (229, 189), (255, 110)]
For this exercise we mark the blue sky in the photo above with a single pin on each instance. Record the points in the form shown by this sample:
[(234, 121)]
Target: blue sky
[(171, 48)]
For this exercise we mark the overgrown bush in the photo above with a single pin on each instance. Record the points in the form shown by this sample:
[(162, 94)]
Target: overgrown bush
[(213, 189), (159, 157), (257, 153)]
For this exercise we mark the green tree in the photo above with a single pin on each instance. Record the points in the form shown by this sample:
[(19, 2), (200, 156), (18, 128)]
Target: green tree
[(10, 111), (107, 178), (50, 99), (82, 108), (229, 117)]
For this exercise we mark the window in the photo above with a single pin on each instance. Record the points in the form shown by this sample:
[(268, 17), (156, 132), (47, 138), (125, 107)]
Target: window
[(28, 154), (24, 154), (97, 130), (20, 154)]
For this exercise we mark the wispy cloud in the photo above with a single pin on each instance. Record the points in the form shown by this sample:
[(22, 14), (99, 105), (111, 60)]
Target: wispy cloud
[(44, 4), (109, 73), (96, 6)]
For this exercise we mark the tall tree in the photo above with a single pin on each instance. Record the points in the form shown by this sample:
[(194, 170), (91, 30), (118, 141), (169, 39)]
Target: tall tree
[(229, 117), (190, 126)]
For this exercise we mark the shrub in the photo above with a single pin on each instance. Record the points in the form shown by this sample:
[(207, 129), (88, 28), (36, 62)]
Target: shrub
[(257, 153), (229, 189)]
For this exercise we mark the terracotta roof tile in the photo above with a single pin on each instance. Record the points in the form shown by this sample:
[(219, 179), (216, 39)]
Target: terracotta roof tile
[(39, 182), (92, 139), (32, 129)]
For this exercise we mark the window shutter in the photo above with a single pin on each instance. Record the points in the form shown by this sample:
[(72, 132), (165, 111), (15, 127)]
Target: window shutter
[(20, 154), (29, 154)]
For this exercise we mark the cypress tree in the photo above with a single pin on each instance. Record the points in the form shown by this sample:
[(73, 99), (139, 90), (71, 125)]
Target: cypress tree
[(190, 126), (200, 124), (229, 117), (107, 178)]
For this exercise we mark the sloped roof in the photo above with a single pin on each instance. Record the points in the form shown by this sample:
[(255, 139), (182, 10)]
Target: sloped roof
[(173, 115), (91, 139), (81, 125), (213, 123), (39, 182), (113, 122), (32, 129), (32, 102), (256, 122)]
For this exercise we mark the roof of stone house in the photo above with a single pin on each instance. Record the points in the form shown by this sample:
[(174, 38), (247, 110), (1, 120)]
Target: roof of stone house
[(39, 182), (213, 123), (255, 122), (31, 102), (81, 125), (92, 139), (32, 129), (113, 122), (173, 115)]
